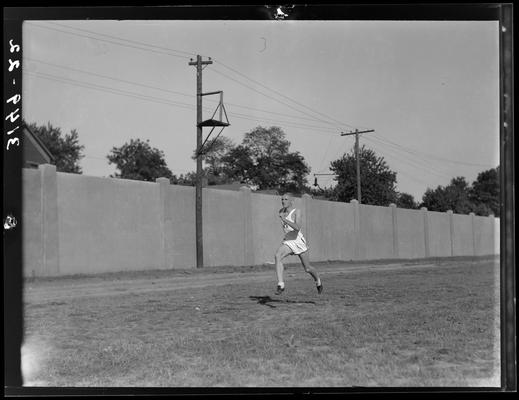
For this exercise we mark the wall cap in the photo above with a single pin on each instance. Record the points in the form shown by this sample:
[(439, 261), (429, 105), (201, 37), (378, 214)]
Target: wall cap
[(49, 167)]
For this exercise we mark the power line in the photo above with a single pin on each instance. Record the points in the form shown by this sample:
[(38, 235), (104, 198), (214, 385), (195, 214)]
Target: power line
[(123, 39), (110, 77), (266, 95), (314, 129), (419, 159), (421, 153), (110, 90), (165, 90), (168, 52), (409, 161), (109, 41), (282, 95), (191, 54)]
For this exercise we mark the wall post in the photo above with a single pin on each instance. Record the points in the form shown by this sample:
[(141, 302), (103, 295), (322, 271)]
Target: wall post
[(248, 246), (427, 242), (163, 198), (451, 224), (49, 223), (356, 228), (395, 229), (306, 200), (472, 224)]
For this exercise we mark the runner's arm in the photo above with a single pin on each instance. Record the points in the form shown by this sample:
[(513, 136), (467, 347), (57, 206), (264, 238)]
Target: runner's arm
[(296, 225)]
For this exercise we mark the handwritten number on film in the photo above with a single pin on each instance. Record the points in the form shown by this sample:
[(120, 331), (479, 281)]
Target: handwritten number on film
[(14, 100)]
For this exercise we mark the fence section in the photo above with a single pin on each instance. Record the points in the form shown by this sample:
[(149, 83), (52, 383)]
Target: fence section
[(76, 224)]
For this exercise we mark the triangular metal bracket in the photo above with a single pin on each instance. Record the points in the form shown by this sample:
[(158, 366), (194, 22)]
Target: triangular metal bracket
[(213, 123)]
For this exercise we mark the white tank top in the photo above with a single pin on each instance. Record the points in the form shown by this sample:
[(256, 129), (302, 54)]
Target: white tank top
[(287, 228)]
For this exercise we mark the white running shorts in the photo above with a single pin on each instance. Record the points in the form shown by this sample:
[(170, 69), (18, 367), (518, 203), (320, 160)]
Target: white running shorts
[(298, 245)]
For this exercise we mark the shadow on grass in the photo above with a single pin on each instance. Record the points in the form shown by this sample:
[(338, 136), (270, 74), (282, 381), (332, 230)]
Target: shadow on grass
[(266, 300)]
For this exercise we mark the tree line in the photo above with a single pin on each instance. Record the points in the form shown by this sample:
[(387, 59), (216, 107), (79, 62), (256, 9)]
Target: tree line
[(264, 161)]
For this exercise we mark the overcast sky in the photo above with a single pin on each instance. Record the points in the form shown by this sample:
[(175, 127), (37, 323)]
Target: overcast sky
[(429, 89)]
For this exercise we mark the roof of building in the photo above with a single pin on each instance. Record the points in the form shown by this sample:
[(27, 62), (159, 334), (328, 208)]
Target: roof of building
[(31, 139)]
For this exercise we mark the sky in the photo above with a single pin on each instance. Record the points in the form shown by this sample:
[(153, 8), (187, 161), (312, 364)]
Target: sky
[(428, 89)]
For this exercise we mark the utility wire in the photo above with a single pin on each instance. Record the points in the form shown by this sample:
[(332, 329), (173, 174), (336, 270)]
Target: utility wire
[(110, 90), (266, 95), (187, 53), (110, 41), (421, 153), (162, 89), (125, 93), (219, 62), (406, 159), (284, 96), (110, 77), (168, 52)]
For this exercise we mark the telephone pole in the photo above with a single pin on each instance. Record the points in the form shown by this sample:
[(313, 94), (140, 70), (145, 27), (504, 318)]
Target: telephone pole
[(357, 157), (198, 193)]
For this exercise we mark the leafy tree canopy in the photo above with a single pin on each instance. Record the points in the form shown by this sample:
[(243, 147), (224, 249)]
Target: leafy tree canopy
[(65, 148), (264, 160), (485, 192), (454, 196), (139, 161), (378, 182), (406, 200)]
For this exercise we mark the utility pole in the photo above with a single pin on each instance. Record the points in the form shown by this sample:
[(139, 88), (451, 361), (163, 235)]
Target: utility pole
[(357, 157), (198, 193)]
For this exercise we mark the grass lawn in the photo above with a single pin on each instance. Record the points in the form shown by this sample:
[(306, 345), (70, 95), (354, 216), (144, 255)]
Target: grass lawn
[(416, 326)]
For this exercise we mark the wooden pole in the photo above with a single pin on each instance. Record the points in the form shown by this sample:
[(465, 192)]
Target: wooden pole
[(199, 170)]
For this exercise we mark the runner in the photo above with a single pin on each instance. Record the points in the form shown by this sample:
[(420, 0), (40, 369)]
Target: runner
[(293, 243)]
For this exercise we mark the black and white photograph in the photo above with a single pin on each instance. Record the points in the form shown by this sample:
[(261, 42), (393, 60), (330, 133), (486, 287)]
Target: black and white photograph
[(284, 201)]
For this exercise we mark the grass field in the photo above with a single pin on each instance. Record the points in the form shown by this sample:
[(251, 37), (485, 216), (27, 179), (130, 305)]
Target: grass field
[(415, 324)]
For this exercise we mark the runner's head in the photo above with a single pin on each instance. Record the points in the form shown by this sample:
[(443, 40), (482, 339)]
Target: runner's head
[(287, 200)]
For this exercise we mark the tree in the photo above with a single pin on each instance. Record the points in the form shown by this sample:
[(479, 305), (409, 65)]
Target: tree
[(263, 159), (405, 200), (485, 192), (65, 149), (212, 153), (378, 182), (139, 161), (454, 196)]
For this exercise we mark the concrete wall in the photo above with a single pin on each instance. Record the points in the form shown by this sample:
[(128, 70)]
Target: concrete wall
[(76, 224), (439, 234), (330, 230), (107, 225), (376, 232), (483, 230), (410, 232)]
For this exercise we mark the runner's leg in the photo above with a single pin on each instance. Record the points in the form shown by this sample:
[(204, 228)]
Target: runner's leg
[(282, 252), (305, 260)]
